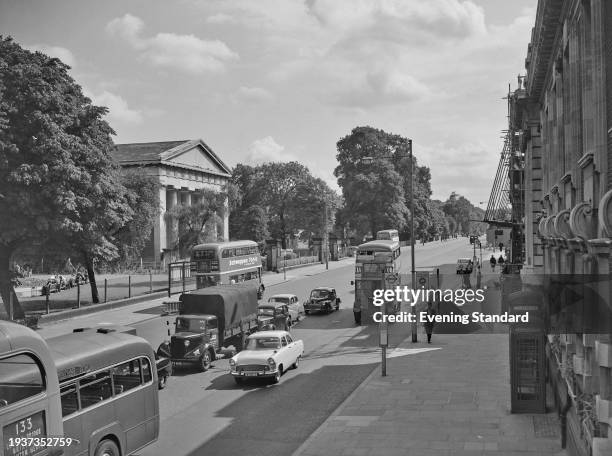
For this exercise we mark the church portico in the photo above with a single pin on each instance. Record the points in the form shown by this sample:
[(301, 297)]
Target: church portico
[(183, 169)]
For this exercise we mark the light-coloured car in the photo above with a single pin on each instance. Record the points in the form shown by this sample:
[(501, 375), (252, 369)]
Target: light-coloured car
[(296, 308), (266, 354)]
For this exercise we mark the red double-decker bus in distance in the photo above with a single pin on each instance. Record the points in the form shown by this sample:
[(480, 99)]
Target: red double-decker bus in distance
[(222, 263), (29, 394)]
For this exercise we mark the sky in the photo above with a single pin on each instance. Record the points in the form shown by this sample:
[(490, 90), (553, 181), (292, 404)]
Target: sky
[(282, 80)]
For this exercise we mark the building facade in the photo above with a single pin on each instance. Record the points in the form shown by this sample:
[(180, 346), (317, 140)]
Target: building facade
[(562, 114), (183, 169)]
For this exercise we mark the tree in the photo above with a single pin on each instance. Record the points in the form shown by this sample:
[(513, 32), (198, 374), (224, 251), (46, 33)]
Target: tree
[(191, 220), (143, 197), (372, 185), (283, 196), (57, 179)]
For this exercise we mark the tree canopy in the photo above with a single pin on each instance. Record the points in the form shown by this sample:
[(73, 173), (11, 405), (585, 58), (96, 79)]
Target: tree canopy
[(57, 178), (280, 200)]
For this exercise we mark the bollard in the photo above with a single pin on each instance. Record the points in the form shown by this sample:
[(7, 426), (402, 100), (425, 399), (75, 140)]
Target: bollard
[(129, 286), (150, 282), (105, 288), (47, 307), (78, 295)]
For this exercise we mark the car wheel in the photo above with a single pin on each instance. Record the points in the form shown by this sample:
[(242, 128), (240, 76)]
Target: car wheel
[(328, 308), (238, 380), (162, 382), (107, 448), (278, 374), (205, 361), (337, 305), (297, 362)]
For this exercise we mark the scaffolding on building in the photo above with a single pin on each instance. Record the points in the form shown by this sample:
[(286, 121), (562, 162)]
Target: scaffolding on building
[(506, 205)]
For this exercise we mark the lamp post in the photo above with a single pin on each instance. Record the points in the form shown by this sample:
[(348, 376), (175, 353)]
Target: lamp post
[(413, 324)]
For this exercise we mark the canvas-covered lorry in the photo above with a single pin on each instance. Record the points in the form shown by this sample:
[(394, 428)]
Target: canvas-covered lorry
[(210, 320)]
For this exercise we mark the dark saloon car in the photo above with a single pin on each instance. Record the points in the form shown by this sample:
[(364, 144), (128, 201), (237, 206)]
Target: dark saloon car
[(322, 299)]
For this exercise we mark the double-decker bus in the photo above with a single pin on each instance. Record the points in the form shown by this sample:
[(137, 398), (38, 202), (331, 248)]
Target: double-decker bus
[(373, 261), (29, 394), (108, 392), (387, 235), (220, 263)]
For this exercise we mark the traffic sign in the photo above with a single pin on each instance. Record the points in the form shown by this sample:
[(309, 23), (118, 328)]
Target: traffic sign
[(422, 279), (392, 278)]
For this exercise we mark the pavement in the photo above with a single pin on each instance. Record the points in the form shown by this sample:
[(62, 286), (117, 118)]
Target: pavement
[(453, 400)]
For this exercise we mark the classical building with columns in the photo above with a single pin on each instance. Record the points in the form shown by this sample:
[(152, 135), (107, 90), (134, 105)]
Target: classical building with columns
[(184, 169), (562, 116)]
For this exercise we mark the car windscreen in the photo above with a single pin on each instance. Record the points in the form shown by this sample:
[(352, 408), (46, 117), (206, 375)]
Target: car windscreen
[(263, 343), (319, 294), (281, 300), (190, 324)]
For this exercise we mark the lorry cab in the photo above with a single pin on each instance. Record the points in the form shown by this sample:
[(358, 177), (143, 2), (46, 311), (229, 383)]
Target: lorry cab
[(196, 339), (273, 315)]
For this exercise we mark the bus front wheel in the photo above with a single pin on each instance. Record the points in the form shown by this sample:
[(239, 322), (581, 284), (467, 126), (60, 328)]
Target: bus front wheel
[(107, 448)]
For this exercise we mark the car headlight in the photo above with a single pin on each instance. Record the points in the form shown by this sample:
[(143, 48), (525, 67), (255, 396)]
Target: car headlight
[(186, 343), (232, 362), (271, 363)]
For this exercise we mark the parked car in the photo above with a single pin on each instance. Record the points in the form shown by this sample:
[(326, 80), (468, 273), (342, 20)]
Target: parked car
[(296, 308), (465, 266), (266, 354), (273, 315), (322, 299), (52, 285)]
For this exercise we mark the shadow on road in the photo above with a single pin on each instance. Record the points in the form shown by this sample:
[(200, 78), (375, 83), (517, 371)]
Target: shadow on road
[(293, 409)]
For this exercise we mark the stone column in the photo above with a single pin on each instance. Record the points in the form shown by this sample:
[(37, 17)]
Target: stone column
[(598, 73), (159, 228), (171, 225), (185, 196)]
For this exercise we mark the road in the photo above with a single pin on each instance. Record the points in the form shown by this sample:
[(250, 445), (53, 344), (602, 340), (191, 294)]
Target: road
[(207, 413)]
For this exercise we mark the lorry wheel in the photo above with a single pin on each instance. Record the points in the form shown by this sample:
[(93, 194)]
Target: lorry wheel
[(337, 305), (205, 361)]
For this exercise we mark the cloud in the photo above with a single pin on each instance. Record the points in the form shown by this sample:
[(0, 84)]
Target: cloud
[(252, 95), (382, 88), (54, 51), (186, 53), (118, 109), (267, 150)]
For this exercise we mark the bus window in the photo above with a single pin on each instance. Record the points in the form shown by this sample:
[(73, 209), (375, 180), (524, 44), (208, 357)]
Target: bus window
[(126, 376), (20, 378), (95, 388), (146, 370), (70, 403)]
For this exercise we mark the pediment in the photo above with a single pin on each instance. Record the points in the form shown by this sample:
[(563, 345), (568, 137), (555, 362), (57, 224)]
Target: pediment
[(195, 155)]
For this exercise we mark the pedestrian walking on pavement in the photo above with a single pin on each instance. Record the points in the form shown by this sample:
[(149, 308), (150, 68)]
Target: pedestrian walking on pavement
[(493, 262), (357, 315), (429, 324), (501, 261)]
